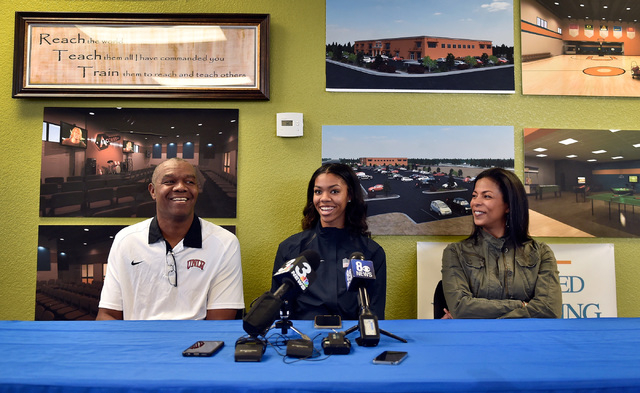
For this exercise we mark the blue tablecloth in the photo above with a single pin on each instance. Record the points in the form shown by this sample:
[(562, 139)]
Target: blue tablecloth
[(444, 355)]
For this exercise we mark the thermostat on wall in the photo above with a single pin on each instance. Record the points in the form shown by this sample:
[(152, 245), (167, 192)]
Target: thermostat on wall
[(289, 124)]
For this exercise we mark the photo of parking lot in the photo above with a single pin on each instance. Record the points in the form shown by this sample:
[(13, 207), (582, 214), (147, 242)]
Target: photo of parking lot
[(418, 180)]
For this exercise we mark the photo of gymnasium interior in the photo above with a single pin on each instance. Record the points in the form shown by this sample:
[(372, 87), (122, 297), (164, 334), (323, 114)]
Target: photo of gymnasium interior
[(583, 183), (581, 48)]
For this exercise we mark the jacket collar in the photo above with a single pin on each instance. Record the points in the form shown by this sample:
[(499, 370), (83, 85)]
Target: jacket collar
[(495, 242)]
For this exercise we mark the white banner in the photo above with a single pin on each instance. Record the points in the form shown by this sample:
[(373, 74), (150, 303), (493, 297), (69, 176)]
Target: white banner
[(588, 31), (587, 278), (617, 31), (574, 30), (631, 32), (604, 31)]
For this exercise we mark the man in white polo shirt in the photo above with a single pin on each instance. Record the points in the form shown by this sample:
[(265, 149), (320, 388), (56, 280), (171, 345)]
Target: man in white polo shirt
[(175, 265)]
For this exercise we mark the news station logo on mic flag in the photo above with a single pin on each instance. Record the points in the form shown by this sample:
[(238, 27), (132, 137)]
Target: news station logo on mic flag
[(359, 269), (300, 270)]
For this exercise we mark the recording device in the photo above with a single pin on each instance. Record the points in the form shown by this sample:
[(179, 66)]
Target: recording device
[(336, 344), (203, 348), (359, 274), (249, 349), (390, 357), (294, 277), (327, 322), (300, 348)]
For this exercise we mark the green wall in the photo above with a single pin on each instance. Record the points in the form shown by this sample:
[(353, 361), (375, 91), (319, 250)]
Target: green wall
[(273, 172)]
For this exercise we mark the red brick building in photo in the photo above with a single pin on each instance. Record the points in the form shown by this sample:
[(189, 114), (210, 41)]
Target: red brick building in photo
[(378, 161), (414, 48)]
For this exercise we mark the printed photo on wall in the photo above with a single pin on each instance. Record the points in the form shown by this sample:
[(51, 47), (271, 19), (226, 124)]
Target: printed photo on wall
[(582, 183), (418, 180), (72, 263), (573, 48), (420, 46), (98, 162)]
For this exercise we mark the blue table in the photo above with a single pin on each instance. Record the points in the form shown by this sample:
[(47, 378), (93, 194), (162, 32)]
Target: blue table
[(444, 355)]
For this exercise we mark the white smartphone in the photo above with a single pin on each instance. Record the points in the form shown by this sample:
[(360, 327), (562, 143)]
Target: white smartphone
[(390, 357)]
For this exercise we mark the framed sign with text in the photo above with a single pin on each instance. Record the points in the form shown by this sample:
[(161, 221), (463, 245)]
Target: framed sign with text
[(216, 56)]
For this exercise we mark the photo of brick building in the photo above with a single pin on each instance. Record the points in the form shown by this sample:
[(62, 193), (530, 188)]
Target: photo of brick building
[(415, 48)]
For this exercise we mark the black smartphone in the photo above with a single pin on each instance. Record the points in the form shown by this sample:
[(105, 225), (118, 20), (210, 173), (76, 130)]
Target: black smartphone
[(390, 357), (203, 348), (327, 322)]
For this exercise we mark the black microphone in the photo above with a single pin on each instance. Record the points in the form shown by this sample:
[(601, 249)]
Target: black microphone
[(294, 277), (297, 274), (359, 275)]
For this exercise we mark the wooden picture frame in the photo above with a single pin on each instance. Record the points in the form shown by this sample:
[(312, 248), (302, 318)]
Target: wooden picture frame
[(215, 56)]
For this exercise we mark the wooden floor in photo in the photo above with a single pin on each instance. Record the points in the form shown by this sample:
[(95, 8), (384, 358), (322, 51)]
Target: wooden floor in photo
[(581, 75)]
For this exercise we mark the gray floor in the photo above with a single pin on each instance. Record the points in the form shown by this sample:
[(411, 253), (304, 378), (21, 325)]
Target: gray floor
[(579, 215)]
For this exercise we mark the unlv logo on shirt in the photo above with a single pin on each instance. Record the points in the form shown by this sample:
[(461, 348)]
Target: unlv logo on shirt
[(195, 263)]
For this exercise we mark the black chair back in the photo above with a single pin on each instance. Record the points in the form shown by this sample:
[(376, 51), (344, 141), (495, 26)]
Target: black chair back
[(439, 302)]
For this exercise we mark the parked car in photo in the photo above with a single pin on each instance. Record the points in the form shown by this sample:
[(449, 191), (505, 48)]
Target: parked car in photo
[(405, 178), (452, 186), (377, 187), (363, 176), (440, 208), (460, 205), (422, 183)]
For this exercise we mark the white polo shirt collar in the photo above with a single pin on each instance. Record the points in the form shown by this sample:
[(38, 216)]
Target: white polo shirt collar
[(193, 238)]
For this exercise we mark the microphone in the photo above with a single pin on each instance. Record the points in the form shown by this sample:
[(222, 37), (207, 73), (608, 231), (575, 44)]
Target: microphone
[(297, 274), (359, 275), (294, 277)]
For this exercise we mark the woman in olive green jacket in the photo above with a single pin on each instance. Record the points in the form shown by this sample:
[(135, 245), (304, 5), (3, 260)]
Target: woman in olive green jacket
[(500, 271)]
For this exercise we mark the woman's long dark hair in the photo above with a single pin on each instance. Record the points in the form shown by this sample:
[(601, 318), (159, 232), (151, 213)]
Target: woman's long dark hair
[(515, 196), (356, 212)]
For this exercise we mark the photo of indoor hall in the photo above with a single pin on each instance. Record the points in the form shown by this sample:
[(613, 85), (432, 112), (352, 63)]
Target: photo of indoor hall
[(72, 261), (98, 162), (583, 183), (580, 48)]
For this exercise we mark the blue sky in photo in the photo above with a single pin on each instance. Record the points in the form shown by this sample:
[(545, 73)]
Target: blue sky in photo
[(418, 141), (352, 20)]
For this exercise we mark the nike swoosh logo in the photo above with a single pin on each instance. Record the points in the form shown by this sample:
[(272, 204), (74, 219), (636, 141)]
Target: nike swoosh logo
[(135, 263)]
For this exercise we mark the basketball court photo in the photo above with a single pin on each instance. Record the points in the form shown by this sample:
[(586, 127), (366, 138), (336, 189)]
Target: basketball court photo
[(580, 49)]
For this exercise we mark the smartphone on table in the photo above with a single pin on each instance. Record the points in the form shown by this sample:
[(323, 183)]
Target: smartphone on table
[(390, 357), (327, 322), (203, 348)]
